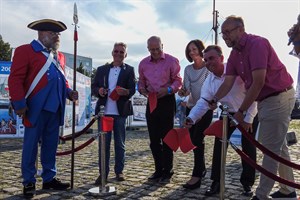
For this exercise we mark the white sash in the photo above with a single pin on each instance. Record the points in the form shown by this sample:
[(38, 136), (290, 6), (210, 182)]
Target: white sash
[(43, 70)]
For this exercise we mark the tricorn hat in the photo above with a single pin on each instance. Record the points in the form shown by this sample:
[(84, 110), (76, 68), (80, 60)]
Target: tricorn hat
[(47, 25)]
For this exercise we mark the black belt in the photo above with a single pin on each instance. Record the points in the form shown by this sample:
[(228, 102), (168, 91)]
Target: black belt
[(277, 93)]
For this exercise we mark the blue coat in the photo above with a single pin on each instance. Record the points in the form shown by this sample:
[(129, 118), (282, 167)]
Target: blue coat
[(51, 91)]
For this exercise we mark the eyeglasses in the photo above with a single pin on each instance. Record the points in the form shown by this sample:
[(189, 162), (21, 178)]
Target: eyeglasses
[(53, 33), (227, 32), (155, 49), (117, 51)]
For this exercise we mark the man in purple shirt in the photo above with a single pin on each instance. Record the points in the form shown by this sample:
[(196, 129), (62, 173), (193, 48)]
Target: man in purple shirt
[(159, 74), (267, 82)]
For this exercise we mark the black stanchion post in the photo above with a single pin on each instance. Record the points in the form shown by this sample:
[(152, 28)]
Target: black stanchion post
[(102, 190), (224, 150)]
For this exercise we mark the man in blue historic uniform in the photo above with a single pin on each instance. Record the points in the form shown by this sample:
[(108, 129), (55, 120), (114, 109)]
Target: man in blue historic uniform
[(38, 90)]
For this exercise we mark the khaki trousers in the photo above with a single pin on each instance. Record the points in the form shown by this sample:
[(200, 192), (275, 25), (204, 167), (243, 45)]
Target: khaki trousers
[(274, 117)]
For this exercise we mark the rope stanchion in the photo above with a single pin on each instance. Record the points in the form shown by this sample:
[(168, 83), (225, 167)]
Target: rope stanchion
[(79, 133), (267, 151), (263, 170), (77, 148), (102, 190), (223, 152)]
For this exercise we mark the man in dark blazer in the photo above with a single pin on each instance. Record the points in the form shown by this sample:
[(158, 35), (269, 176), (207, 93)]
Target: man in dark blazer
[(114, 85)]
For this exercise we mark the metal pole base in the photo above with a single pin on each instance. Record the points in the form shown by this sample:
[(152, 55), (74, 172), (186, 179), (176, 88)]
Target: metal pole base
[(106, 191)]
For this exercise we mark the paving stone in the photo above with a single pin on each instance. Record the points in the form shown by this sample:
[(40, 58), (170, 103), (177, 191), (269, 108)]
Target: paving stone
[(139, 166)]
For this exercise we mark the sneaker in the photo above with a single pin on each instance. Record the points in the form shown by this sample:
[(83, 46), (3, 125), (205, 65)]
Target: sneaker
[(29, 190), (278, 195), (56, 184)]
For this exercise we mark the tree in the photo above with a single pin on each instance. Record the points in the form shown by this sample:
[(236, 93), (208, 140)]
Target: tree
[(94, 70), (80, 68), (5, 50)]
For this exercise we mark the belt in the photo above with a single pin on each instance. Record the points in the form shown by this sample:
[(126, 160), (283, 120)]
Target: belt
[(277, 93)]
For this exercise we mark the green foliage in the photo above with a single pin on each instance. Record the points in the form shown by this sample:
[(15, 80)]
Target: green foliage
[(5, 50), (93, 73), (82, 70)]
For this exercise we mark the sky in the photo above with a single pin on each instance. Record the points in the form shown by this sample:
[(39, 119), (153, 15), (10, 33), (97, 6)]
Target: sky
[(104, 22)]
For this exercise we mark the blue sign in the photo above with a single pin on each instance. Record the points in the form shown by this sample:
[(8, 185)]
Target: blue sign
[(5, 67)]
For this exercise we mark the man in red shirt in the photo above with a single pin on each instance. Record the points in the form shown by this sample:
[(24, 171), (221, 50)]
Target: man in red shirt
[(159, 75), (267, 82)]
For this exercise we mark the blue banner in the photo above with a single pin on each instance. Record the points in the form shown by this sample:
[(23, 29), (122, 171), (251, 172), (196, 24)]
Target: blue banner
[(5, 67)]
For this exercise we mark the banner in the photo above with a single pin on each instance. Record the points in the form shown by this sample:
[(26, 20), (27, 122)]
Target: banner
[(139, 103), (83, 105), (10, 125)]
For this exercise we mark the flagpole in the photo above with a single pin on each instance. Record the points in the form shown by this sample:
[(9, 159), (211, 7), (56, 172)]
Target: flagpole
[(75, 20)]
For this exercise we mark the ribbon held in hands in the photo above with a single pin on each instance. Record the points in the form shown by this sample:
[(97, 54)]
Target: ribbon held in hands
[(185, 142), (114, 95), (171, 139), (179, 138), (152, 101), (215, 129)]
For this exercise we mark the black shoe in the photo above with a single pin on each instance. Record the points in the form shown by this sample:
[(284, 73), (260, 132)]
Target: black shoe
[(247, 191), (56, 184), (166, 176), (192, 186), (120, 177), (204, 173), (155, 176), (214, 189), (254, 198), (29, 190), (279, 195)]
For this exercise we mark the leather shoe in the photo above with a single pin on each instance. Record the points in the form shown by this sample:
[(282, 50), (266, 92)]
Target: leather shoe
[(166, 176), (56, 184), (29, 190), (214, 189), (247, 191), (204, 173), (155, 176), (193, 186), (120, 177)]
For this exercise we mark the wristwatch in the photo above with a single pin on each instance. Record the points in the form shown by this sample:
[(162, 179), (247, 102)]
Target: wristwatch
[(243, 112), (214, 100), (170, 90)]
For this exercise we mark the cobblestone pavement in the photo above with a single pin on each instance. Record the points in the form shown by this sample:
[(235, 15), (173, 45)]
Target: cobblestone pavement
[(138, 167)]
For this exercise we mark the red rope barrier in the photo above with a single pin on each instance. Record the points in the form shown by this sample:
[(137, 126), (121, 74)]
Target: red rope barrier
[(77, 148), (264, 171), (267, 151), (79, 133)]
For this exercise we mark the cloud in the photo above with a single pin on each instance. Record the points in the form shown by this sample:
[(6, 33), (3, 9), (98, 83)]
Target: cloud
[(102, 23)]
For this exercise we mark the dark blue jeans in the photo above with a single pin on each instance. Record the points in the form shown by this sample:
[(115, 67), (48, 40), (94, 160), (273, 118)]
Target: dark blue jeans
[(119, 145)]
